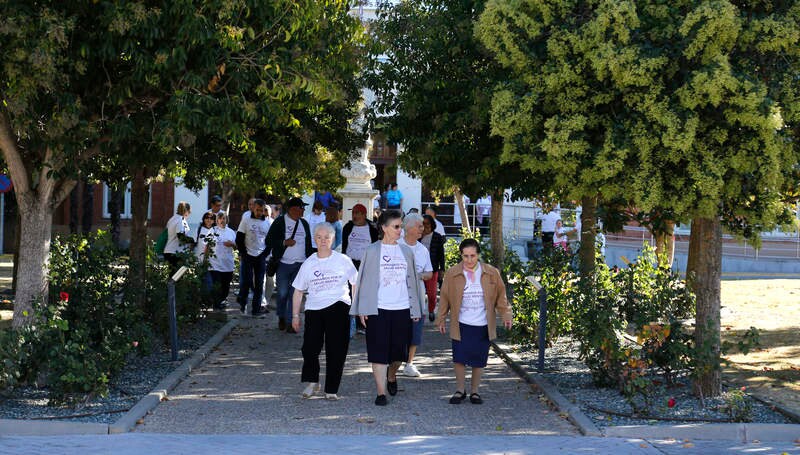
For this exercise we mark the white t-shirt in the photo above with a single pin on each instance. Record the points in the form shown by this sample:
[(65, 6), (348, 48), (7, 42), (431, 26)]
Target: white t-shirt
[(297, 252), (313, 220), (439, 227), (473, 305), (422, 257), (560, 236), (457, 212), (549, 221), (326, 280), (223, 255), (176, 225), (358, 242), (204, 237), (255, 234), (393, 289)]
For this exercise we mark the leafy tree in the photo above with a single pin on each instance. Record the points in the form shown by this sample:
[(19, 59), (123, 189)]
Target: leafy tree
[(697, 102), (143, 88), (432, 82)]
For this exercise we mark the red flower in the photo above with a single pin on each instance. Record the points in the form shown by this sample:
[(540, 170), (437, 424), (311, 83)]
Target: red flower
[(63, 296), (671, 403)]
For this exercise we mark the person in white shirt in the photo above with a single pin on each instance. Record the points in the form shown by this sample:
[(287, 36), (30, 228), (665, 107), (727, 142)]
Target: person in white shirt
[(216, 205), (314, 218), (412, 226), (324, 276), (203, 249), (484, 213), (387, 299), (433, 211), (549, 227), (221, 263), (179, 239), (473, 293), (289, 240), (251, 242)]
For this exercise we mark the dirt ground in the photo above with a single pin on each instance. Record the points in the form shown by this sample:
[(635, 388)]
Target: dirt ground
[(773, 307)]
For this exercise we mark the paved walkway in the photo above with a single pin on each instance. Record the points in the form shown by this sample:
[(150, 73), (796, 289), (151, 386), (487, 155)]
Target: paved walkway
[(137, 443), (251, 385)]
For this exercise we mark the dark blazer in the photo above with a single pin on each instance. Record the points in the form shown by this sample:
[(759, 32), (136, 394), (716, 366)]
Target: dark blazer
[(348, 228), (437, 252), (276, 236)]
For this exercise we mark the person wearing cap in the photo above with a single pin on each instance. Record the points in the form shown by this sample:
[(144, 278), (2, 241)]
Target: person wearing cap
[(289, 239)]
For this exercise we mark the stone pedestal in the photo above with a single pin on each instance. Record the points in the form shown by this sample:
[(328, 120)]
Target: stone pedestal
[(357, 189)]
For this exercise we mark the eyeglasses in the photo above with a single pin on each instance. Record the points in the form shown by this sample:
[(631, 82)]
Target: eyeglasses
[(395, 226)]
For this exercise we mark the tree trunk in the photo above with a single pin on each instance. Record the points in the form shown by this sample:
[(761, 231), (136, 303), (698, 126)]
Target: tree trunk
[(496, 230), (665, 242), (704, 272), (34, 256), (88, 207), (227, 195), (114, 209), (137, 268), (587, 254), (462, 210)]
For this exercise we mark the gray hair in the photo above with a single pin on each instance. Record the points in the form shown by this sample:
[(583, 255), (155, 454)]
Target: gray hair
[(328, 227), (412, 218)]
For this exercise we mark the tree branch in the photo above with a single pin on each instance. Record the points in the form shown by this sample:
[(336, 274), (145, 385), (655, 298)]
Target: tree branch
[(13, 156)]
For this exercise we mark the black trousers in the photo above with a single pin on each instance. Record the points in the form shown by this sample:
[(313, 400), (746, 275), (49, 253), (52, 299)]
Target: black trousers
[(329, 326), (222, 285)]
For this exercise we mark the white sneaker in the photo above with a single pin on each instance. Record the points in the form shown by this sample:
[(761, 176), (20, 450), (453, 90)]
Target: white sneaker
[(331, 396), (410, 370), (311, 389)]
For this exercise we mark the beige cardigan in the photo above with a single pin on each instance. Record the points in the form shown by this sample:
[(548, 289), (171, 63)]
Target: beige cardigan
[(452, 293)]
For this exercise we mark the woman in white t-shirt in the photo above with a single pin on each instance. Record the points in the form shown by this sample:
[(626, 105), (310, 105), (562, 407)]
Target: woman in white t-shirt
[(412, 228), (179, 239), (387, 299), (325, 276), (560, 237), (473, 293), (221, 263)]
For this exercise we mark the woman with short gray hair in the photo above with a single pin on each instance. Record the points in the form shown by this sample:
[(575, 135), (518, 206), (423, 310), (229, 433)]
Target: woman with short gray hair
[(324, 276)]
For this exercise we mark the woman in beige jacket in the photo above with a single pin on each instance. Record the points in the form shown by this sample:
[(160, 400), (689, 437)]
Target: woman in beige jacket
[(473, 293)]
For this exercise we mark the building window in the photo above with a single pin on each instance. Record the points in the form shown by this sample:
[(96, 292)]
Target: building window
[(125, 208)]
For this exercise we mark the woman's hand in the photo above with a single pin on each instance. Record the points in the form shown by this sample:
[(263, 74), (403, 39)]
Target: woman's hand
[(229, 244), (363, 320), (296, 324), (442, 329)]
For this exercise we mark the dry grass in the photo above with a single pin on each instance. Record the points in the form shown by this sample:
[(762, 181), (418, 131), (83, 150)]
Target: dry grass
[(773, 370)]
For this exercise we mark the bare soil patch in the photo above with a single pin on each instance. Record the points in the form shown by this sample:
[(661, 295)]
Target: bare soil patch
[(773, 307)]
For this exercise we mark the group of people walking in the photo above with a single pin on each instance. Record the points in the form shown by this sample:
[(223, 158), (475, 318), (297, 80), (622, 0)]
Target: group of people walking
[(382, 278)]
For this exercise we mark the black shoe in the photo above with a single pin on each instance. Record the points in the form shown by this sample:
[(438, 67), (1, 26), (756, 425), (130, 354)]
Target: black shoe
[(381, 400), (391, 387), (474, 398), (242, 307), (281, 324), (431, 317), (458, 397)]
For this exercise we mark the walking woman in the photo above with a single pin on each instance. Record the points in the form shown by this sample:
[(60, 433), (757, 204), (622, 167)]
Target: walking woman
[(325, 276), (473, 293), (179, 238), (387, 300), (221, 264), (434, 242)]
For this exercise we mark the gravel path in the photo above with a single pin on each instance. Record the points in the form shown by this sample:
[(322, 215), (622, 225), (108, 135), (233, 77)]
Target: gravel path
[(251, 385)]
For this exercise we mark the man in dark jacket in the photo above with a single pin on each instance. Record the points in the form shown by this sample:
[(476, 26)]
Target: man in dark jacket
[(289, 239)]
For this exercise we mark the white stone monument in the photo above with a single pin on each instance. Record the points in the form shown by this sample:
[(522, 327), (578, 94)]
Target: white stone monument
[(357, 189)]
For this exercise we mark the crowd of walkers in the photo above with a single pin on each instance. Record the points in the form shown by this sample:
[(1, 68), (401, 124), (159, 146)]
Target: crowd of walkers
[(387, 278)]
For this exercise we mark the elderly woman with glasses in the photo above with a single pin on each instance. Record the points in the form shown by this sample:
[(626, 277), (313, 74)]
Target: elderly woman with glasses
[(387, 300)]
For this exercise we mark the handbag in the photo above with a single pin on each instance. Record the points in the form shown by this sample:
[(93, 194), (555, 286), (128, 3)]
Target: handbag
[(274, 261)]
